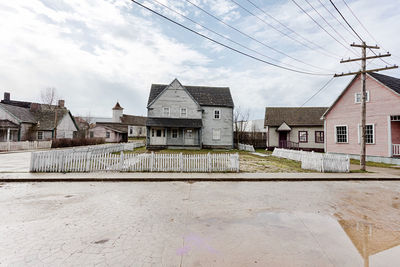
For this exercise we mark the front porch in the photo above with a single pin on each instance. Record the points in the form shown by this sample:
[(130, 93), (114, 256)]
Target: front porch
[(8, 131), (167, 137), (395, 135)]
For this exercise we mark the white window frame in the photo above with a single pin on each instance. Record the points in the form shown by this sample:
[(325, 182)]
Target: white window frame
[(42, 133), (177, 133), (347, 134), (185, 115), (219, 114), (359, 94), (215, 136), (373, 133), (164, 112)]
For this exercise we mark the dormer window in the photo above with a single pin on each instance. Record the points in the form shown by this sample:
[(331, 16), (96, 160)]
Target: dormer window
[(217, 114), (166, 111), (357, 97)]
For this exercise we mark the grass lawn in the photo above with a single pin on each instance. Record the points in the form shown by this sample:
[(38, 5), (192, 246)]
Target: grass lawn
[(373, 164)]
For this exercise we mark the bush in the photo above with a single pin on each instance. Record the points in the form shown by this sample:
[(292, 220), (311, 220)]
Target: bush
[(68, 142)]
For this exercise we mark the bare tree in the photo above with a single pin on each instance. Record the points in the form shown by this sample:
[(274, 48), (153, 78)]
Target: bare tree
[(240, 120), (49, 98)]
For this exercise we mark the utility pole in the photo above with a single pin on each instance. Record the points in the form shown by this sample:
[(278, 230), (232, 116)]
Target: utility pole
[(363, 73)]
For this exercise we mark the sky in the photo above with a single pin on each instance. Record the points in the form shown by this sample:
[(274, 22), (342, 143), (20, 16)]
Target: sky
[(98, 52)]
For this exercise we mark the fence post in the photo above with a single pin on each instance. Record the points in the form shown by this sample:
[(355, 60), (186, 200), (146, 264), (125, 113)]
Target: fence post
[(209, 161), (181, 161), (237, 163), (151, 161), (88, 158), (121, 161)]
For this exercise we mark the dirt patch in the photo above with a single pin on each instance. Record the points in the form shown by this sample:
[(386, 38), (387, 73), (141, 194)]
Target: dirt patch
[(253, 163)]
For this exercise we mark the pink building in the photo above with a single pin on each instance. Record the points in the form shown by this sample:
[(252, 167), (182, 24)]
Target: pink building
[(343, 118)]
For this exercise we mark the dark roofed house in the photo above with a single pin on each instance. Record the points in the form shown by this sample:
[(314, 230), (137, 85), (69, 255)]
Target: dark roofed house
[(120, 127), (21, 120), (295, 127), (181, 116)]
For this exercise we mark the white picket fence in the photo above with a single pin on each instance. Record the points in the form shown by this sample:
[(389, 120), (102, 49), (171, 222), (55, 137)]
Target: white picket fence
[(321, 162), (105, 148), (24, 145), (245, 147), (83, 161)]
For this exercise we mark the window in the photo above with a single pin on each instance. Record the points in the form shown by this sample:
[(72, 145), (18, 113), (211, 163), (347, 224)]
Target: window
[(357, 97), (152, 132), (158, 132), (217, 114), (395, 118), (166, 112), (341, 134), (40, 135), (183, 112), (319, 136), (91, 134), (140, 131), (303, 136), (189, 133), (174, 133), (107, 134), (369, 134), (216, 134)]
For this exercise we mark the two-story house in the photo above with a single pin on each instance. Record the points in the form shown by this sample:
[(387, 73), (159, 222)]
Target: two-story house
[(180, 116)]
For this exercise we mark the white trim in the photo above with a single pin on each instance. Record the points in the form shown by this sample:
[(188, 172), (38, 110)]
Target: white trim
[(373, 133), (38, 135), (185, 116), (390, 148), (169, 112), (325, 137), (219, 134), (359, 93), (347, 134), (219, 114)]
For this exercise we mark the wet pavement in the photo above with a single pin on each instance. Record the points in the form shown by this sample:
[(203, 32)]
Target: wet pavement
[(200, 224)]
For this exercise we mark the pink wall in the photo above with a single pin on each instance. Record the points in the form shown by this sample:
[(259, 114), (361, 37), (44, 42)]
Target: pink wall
[(383, 103), (100, 131)]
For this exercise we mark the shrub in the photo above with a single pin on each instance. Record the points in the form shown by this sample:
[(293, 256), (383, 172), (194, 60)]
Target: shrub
[(68, 142)]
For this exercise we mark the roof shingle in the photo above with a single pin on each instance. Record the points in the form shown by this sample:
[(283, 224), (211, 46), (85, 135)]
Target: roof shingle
[(391, 82), (294, 116)]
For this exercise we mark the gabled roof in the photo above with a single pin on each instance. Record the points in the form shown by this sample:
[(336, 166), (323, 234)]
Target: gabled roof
[(5, 124), (46, 118), (20, 113), (294, 116), (284, 127), (133, 120), (203, 95), (391, 83)]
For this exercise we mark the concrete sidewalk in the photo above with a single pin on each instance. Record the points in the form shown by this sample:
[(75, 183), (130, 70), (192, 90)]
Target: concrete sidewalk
[(167, 177)]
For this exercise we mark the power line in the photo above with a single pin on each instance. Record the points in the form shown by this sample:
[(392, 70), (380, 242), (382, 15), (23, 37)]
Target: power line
[(327, 53), (319, 25), (224, 37), (227, 46), (248, 36), (270, 25), (319, 90)]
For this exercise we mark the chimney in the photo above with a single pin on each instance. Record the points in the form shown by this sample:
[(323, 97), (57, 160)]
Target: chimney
[(61, 103), (34, 106), (6, 96)]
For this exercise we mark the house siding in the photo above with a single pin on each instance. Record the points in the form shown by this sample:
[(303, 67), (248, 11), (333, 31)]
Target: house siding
[(175, 98), (293, 135), (136, 131), (225, 124), (383, 102), (100, 132)]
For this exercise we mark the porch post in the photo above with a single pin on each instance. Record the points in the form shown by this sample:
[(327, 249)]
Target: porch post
[(390, 147), (8, 134)]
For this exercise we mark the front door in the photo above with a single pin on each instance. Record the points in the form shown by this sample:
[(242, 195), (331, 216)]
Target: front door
[(189, 137), (282, 139)]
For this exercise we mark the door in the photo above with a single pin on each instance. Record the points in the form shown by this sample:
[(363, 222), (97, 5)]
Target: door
[(189, 137), (282, 139), (158, 136)]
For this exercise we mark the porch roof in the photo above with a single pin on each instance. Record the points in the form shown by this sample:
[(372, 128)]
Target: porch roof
[(170, 122), (6, 124)]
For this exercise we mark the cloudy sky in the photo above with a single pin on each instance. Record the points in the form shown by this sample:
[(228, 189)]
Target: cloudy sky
[(96, 52)]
